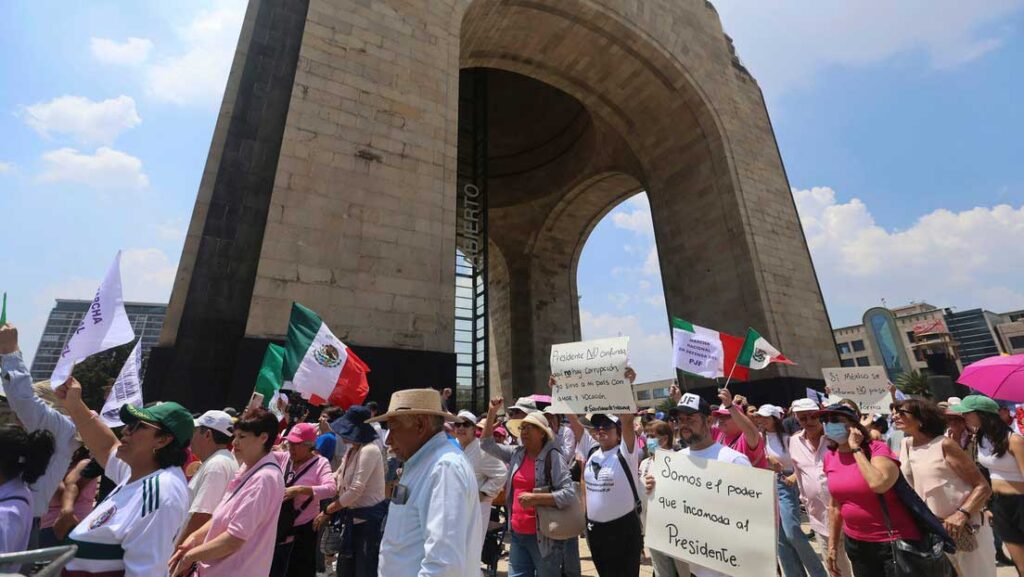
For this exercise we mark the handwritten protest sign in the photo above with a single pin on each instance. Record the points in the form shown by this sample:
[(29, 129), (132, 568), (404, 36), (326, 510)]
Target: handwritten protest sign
[(866, 386), (589, 377), (713, 514)]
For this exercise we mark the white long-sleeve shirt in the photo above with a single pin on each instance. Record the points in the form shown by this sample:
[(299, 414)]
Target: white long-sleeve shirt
[(438, 531), (36, 415), (490, 471)]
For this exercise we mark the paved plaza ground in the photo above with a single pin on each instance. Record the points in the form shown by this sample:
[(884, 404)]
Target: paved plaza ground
[(647, 571)]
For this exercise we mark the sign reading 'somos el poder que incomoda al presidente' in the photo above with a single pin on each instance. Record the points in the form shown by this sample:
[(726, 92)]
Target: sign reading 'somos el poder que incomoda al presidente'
[(866, 386), (590, 377), (713, 514)]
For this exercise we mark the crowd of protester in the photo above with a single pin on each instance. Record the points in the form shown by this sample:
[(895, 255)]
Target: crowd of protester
[(419, 490)]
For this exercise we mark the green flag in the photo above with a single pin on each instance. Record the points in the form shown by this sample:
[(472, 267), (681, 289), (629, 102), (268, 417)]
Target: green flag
[(3, 311), (269, 380)]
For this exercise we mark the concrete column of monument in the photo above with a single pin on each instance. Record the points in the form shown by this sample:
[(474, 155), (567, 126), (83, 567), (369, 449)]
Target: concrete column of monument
[(590, 101)]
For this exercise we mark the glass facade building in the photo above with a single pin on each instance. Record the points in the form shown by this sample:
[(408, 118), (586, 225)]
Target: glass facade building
[(972, 330), (147, 319)]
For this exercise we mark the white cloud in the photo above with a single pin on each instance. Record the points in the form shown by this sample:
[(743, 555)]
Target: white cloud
[(198, 73), (650, 353), (6, 167), (785, 43), (652, 267), (85, 120), (638, 219), (106, 169), (131, 52), (966, 259), (173, 230)]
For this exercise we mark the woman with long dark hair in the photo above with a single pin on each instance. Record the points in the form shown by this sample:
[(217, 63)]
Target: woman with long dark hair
[(23, 459), (858, 471), (1001, 451), (948, 481), (796, 555)]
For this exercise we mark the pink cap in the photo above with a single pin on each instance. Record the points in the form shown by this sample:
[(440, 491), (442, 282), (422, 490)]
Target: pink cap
[(303, 433)]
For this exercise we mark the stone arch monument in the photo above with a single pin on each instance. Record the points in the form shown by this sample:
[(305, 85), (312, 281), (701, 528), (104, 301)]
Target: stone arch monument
[(350, 130)]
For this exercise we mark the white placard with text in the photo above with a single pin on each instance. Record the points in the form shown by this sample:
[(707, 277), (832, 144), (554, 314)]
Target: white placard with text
[(866, 386), (590, 377)]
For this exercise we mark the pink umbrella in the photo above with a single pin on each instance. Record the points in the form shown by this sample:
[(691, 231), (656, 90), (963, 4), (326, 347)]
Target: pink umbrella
[(1000, 377)]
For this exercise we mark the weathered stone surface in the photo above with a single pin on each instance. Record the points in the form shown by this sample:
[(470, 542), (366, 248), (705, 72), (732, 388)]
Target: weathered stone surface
[(360, 222)]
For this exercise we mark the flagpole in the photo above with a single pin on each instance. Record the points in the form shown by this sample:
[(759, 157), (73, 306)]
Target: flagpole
[(729, 378)]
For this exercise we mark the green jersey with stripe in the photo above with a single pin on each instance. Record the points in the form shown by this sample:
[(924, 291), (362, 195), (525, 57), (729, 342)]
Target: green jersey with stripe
[(132, 532)]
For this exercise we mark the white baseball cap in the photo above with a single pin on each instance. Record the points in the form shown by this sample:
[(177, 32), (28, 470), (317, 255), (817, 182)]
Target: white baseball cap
[(218, 421), (804, 406), (767, 410), (467, 417)]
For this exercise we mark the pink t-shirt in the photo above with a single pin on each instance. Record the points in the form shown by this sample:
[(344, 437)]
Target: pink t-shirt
[(83, 504), (859, 506), (524, 520), (739, 444), (251, 515)]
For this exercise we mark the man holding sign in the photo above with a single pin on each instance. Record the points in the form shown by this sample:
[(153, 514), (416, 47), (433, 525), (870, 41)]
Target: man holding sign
[(693, 414)]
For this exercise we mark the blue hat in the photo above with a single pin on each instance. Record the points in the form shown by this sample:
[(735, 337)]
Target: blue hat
[(352, 426)]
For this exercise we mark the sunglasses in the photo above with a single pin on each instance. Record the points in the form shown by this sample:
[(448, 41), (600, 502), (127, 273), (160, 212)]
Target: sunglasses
[(673, 419), (604, 428), (461, 425), (904, 412), (833, 419), (806, 418), (132, 427)]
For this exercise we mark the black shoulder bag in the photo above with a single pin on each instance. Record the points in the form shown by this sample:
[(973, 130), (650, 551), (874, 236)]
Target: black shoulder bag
[(924, 557), (289, 512)]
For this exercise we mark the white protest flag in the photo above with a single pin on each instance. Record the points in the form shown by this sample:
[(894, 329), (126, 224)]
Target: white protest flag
[(104, 326), (127, 389), (697, 350)]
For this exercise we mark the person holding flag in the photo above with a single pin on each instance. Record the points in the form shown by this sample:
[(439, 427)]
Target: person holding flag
[(132, 531), (36, 414)]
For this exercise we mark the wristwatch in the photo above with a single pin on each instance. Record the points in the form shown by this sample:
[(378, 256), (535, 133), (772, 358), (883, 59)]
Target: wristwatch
[(857, 450)]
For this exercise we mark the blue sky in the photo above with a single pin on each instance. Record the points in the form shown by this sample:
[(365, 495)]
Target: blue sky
[(899, 126)]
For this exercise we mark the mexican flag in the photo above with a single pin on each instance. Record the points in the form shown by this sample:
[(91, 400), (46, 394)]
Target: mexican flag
[(318, 365), (758, 353), (269, 379), (706, 352)]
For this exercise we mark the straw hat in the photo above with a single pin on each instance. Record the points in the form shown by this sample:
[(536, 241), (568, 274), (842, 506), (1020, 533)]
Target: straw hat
[(414, 402), (535, 419)]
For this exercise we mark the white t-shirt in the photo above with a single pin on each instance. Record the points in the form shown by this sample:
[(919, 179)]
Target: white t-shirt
[(779, 450), (210, 482), (134, 528), (609, 496), (717, 452)]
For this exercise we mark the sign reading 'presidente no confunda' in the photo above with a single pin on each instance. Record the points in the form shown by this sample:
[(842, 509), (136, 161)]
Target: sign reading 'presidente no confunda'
[(713, 514), (590, 377)]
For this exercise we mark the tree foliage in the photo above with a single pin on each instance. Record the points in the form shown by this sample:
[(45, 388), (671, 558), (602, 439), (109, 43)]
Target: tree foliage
[(914, 383), (98, 372)]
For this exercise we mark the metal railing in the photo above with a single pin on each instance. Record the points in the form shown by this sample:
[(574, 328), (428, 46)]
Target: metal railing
[(57, 557)]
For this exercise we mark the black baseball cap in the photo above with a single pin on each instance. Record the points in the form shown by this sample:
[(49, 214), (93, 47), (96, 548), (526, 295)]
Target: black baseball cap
[(691, 404)]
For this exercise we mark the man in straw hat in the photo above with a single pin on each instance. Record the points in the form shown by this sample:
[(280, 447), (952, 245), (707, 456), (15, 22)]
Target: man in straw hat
[(434, 523)]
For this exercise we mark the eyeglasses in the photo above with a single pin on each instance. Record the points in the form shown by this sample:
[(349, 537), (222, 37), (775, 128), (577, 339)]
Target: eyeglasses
[(604, 427), (134, 426), (806, 418), (904, 412)]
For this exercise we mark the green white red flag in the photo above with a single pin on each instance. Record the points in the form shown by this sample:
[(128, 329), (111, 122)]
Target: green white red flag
[(318, 365), (706, 352), (757, 353)]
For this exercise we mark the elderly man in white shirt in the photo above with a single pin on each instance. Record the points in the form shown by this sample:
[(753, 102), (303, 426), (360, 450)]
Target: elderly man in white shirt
[(433, 527), (490, 470)]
